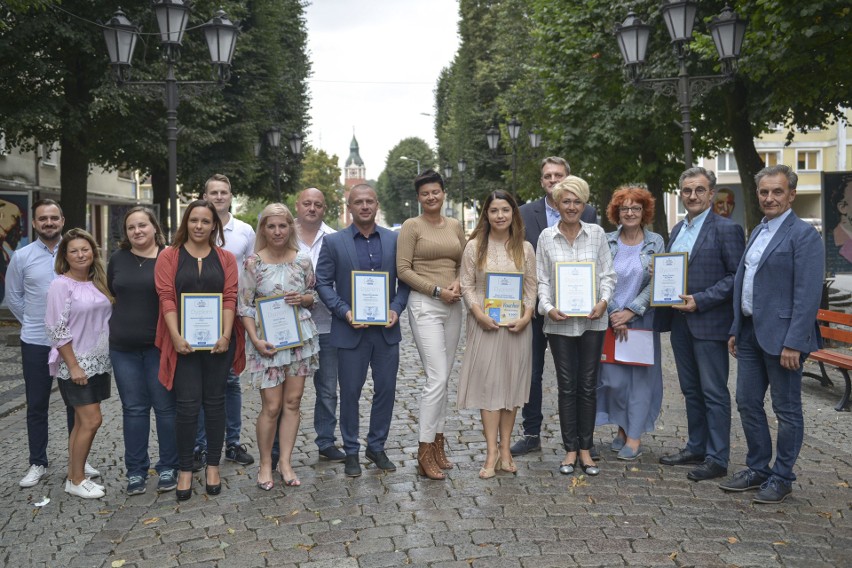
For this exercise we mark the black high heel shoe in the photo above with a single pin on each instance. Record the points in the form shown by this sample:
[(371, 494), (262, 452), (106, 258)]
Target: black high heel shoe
[(212, 489), (184, 494)]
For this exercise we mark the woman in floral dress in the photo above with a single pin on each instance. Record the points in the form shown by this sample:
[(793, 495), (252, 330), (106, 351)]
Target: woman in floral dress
[(277, 268)]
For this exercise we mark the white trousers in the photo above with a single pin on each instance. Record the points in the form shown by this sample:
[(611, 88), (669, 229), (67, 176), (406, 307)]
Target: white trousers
[(436, 327)]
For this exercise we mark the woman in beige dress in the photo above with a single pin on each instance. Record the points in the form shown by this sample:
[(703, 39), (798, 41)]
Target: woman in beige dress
[(495, 374)]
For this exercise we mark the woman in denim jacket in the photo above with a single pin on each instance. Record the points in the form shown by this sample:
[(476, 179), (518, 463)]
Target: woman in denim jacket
[(631, 396)]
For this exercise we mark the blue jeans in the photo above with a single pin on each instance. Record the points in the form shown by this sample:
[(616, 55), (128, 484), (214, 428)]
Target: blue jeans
[(325, 385), (531, 413), (37, 386), (702, 369), (140, 391), (233, 414), (757, 370)]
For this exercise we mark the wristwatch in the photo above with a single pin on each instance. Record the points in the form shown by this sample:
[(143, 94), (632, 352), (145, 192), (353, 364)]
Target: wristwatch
[(436, 293)]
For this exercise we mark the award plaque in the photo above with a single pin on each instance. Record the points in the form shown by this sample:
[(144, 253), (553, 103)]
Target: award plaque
[(201, 320), (669, 280), (279, 322), (504, 296), (370, 297), (576, 293)]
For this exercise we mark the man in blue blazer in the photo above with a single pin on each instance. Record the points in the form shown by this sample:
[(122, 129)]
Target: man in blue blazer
[(539, 215), (777, 292), (362, 246), (699, 327)]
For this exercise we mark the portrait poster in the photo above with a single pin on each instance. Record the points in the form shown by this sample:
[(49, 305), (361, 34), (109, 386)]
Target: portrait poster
[(837, 221), (15, 229), (728, 201)]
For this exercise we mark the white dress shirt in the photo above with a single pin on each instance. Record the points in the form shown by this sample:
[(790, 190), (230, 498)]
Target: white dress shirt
[(28, 278), (320, 313)]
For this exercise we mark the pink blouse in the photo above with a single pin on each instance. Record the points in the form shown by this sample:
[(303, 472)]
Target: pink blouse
[(78, 313)]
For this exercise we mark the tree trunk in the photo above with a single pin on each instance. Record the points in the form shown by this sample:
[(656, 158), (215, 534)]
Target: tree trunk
[(160, 189), (749, 161), (73, 178)]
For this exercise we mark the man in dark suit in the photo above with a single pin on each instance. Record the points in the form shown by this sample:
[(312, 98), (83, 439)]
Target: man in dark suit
[(777, 292), (537, 216), (362, 246), (699, 327)]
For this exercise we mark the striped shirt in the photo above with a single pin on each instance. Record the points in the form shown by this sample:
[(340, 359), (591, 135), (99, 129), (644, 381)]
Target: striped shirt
[(589, 246)]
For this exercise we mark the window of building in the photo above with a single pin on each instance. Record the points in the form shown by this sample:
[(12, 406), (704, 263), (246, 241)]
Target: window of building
[(3, 151), (48, 153), (726, 162), (770, 158), (125, 174), (808, 160)]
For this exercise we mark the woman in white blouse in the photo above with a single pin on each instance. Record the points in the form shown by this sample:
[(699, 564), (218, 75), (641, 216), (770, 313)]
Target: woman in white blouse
[(575, 342)]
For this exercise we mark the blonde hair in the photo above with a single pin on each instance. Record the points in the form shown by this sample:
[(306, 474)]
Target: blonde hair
[(97, 272), (577, 186), (272, 210)]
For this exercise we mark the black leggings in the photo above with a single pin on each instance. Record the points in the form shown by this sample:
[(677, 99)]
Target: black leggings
[(577, 360), (200, 378)]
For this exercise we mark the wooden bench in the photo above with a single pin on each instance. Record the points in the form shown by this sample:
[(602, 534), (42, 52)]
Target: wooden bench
[(838, 359)]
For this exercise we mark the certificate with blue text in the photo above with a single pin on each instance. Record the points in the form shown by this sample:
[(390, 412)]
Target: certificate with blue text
[(669, 280), (279, 322), (576, 290), (201, 320), (370, 297), (504, 296)]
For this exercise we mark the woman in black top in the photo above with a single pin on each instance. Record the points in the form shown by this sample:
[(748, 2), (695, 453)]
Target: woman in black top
[(135, 358)]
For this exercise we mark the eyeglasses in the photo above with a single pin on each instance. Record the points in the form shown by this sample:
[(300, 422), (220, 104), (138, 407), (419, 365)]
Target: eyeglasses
[(550, 177), (698, 191), (636, 209)]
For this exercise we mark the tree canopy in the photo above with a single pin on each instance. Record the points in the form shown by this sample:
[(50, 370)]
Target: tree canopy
[(395, 185)]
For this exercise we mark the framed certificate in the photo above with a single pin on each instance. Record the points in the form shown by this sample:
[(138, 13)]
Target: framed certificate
[(201, 319), (576, 292), (279, 322), (370, 297), (504, 296), (669, 280)]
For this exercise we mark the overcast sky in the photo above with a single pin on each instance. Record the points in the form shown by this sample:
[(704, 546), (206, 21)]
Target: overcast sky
[(375, 64)]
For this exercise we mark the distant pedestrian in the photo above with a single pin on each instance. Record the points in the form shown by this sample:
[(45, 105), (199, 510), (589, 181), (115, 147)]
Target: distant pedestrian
[(28, 278), (428, 259), (278, 268), (631, 396), (79, 306), (135, 358), (196, 263), (495, 372)]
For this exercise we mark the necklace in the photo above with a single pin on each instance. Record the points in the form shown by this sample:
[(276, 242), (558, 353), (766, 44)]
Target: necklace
[(137, 257)]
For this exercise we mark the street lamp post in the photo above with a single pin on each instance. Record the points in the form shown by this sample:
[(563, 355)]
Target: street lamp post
[(492, 136), (727, 30), (448, 172), (172, 17), (407, 159), (273, 137), (462, 166)]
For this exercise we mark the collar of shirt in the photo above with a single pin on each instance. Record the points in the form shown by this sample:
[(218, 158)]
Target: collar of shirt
[(355, 231), (584, 230), (773, 224), (229, 226), (696, 222), (43, 245), (552, 214)]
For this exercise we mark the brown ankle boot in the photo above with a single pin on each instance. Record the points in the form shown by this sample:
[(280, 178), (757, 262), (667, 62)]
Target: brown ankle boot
[(426, 465), (440, 456)]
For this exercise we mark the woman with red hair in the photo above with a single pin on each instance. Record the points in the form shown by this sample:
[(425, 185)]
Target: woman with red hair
[(631, 396)]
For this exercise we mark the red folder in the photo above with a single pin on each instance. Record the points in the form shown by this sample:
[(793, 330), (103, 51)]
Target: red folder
[(608, 353)]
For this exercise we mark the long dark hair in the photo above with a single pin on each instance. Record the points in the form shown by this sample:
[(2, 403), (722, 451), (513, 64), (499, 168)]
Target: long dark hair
[(515, 244), (182, 234)]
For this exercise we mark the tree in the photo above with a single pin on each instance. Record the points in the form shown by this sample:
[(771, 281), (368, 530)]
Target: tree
[(395, 185), (321, 171)]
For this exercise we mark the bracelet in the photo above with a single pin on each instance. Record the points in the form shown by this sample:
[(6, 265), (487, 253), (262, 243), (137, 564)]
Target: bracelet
[(228, 339)]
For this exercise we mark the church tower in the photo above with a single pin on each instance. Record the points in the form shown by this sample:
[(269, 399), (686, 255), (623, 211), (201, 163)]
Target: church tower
[(354, 173)]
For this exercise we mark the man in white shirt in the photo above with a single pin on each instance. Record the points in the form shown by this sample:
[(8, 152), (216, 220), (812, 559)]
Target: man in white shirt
[(239, 240), (310, 228), (30, 272)]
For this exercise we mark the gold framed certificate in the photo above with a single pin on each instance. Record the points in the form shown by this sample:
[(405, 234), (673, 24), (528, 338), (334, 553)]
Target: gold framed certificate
[(201, 319), (576, 292), (670, 278), (370, 297), (279, 322), (504, 296)]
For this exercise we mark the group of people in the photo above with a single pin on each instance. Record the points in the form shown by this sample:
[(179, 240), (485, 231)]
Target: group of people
[(127, 317)]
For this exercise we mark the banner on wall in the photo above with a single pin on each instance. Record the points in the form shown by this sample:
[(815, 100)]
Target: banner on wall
[(837, 221), (14, 230)]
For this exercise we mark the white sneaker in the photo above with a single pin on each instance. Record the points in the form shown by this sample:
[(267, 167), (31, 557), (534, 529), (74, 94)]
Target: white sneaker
[(87, 489), (90, 472), (33, 476)]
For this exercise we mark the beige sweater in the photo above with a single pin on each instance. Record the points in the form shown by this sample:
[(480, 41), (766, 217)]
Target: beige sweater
[(429, 256)]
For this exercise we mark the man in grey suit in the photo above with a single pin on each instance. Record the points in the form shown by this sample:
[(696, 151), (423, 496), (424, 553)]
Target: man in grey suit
[(777, 292), (539, 215), (362, 246)]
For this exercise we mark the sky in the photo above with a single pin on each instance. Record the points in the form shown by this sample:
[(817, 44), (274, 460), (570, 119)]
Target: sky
[(375, 64)]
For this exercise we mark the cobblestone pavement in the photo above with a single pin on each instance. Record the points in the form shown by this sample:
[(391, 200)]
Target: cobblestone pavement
[(633, 514)]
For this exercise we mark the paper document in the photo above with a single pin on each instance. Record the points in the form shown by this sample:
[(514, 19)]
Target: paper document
[(639, 347)]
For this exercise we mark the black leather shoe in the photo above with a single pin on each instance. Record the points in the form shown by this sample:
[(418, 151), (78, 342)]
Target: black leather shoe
[(381, 460), (745, 480), (183, 494), (213, 489), (708, 470), (352, 468), (683, 457), (332, 454), (526, 445)]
